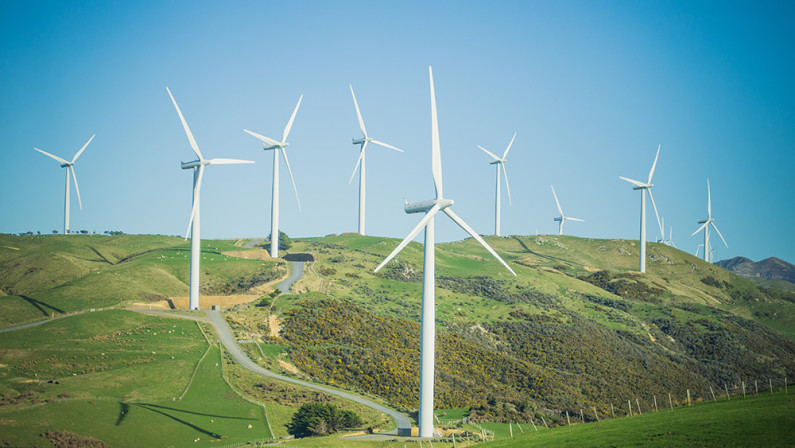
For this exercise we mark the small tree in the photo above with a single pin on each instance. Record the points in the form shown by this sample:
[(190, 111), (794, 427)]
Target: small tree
[(284, 241), (318, 419), (54, 231)]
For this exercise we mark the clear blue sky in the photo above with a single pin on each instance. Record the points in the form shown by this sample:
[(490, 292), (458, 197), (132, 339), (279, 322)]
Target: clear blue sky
[(591, 88)]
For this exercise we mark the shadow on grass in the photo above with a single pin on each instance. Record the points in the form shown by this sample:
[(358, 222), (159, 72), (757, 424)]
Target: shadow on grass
[(541, 255), (125, 409), (41, 305)]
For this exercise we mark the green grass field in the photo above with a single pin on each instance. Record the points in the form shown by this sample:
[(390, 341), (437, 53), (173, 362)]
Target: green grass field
[(124, 378), (763, 421)]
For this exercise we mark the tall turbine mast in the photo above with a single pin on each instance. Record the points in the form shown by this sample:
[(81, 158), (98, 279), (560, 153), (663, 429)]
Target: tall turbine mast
[(193, 224), (499, 164), (363, 144), (430, 208), (70, 171), (644, 187), (271, 144)]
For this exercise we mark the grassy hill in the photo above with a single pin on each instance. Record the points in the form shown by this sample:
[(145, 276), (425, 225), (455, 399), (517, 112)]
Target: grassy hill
[(763, 421), (576, 328), (42, 276)]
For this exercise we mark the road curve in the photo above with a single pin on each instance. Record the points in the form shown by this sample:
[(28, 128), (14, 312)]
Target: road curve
[(226, 338), (298, 272)]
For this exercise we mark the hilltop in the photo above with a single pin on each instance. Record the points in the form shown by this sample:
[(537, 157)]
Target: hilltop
[(770, 272)]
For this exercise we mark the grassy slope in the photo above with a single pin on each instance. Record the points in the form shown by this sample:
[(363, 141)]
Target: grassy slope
[(763, 421), (118, 376), (45, 275)]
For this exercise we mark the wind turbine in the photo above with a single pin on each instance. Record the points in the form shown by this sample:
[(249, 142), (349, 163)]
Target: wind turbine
[(70, 171), (499, 162), (428, 331), (268, 144), (670, 240), (563, 218), (193, 225), (363, 144), (705, 225), (644, 187)]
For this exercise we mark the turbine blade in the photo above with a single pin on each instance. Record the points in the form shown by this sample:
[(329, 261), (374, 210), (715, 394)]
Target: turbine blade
[(356, 168), (709, 202), (507, 187), (267, 140), (509, 146), (228, 161), (83, 148), (77, 189), (416, 230), (575, 219), (475, 235), (287, 162), (654, 165), (489, 153), (376, 142), (651, 196), (51, 156), (719, 234), (196, 190), (292, 118), (700, 228), (436, 156), (358, 113), (560, 210), (185, 125), (634, 182)]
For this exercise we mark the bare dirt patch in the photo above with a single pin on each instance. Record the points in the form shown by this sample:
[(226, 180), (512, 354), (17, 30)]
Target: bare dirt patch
[(275, 325), (251, 254), (590, 269), (289, 367)]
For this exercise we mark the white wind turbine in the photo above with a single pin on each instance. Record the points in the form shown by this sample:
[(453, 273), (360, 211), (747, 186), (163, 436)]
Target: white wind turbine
[(670, 240), (428, 330), (563, 218), (193, 225), (499, 162), (705, 225), (644, 187), (363, 144), (268, 144), (70, 171)]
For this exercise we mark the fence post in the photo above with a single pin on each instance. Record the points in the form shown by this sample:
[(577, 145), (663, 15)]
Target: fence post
[(688, 397), (534, 424), (670, 402), (612, 412), (545, 422), (770, 380), (655, 404), (629, 404), (713, 393), (785, 386), (568, 421), (510, 429), (727, 391), (756, 387), (582, 416), (743, 389), (637, 402), (595, 414)]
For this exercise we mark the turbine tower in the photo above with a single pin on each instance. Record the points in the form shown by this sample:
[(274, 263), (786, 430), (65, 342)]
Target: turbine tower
[(428, 330), (563, 218), (644, 187), (499, 163), (193, 224), (70, 171), (363, 144), (670, 240), (705, 223), (271, 144)]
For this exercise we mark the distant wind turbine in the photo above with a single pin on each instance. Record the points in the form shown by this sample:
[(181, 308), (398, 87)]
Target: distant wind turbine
[(705, 226), (644, 187), (363, 145), (499, 163), (193, 224), (428, 331), (670, 240), (268, 144), (70, 171), (563, 218)]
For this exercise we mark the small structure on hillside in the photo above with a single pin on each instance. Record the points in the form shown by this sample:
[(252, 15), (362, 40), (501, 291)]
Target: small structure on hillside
[(299, 257)]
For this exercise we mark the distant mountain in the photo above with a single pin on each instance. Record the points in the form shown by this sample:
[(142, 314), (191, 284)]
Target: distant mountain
[(769, 269)]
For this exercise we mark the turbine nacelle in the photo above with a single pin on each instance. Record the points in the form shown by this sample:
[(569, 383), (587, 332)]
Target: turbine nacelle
[(558, 219), (425, 206), (274, 147), (642, 187), (360, 141)]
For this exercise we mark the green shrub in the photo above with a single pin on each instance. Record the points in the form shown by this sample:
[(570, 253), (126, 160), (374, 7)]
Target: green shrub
[(320, 419)]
